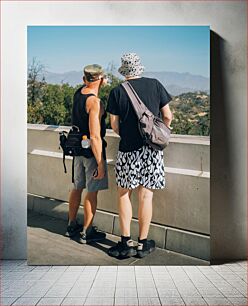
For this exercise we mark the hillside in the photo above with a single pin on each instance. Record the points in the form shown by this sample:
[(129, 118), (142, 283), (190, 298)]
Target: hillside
[(52, 104), (176, 83), (191, 113)]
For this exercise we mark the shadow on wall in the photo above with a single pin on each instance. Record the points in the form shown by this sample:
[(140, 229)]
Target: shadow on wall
[(223, 226)]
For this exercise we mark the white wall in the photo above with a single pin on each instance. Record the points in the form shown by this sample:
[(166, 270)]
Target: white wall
[(227, 20)]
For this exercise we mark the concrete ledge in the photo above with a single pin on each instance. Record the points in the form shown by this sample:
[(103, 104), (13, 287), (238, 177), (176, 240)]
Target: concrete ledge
[(30, 202), (184, 242), (186, 188), (51, 207), (184, 151), (104, 221), (188, 243), (59, 209)]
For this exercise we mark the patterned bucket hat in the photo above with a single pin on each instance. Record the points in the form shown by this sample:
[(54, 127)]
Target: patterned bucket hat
[(93, 72), (130, 65)]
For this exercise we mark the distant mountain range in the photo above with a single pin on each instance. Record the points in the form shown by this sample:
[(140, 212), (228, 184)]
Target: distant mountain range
[(175, 83)]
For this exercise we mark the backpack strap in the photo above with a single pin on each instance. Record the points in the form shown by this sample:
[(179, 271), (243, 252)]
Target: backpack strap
[(72, 169), (64, 161)]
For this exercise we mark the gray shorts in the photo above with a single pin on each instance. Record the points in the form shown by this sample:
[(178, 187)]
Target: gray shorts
[(83, 174)]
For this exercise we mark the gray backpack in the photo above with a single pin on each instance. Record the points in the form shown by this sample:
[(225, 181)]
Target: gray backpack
[(152, 128)]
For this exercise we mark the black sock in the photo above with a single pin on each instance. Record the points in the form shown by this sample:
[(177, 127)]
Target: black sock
[(142, 240), (125, 238)]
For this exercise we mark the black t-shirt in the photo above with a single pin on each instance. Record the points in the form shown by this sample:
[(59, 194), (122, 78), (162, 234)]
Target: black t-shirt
[(153, 95)]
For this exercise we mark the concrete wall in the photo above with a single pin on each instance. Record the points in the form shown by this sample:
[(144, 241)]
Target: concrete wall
[(183, 204), (181, 213), (227, 20)]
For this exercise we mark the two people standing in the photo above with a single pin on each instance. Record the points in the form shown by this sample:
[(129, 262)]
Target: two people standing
[(138, 165)]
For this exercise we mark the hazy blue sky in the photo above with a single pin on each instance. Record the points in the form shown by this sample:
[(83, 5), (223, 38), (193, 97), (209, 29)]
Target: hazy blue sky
[(161, 48)]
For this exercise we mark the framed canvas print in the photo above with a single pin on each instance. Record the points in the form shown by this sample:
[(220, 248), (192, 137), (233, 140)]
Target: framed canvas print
[(118, 145)]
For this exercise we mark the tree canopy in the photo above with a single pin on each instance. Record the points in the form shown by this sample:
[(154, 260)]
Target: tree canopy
[(52, 104)]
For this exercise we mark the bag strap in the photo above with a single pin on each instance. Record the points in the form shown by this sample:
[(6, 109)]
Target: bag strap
[(64, 161), (138, 105), (72, 170)]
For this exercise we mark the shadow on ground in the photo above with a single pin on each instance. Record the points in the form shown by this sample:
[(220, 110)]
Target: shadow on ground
[(47, 245)]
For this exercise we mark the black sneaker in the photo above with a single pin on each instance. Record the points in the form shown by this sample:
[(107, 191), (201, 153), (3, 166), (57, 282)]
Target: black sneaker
[(93, 236), (73, 228), (145, 248), (123, 249)]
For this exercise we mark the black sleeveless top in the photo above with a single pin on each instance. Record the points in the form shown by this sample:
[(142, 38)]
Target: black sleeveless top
[(80, 117)]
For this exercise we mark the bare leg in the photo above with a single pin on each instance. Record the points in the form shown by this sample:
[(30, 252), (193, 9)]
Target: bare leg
[(74, 202), (125, 210), (145, 211), (90, 204)]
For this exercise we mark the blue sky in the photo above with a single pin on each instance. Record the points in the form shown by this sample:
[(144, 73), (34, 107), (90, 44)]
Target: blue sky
[(161, 48)]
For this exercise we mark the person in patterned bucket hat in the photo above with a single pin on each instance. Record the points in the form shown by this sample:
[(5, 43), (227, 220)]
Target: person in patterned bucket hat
[(131, 65), (137, 165)]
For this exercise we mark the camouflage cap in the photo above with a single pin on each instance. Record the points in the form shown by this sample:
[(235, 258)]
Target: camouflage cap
[(93, 72)]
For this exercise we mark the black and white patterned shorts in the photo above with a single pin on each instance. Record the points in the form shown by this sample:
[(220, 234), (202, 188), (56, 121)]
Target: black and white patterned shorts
[(144, 166)]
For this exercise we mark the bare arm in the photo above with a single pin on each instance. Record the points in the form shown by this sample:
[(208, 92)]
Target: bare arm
[(114, 121), (94, 110), (167, 115)]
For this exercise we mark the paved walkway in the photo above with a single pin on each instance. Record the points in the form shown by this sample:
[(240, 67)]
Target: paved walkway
[(123, 285), (48, 245)]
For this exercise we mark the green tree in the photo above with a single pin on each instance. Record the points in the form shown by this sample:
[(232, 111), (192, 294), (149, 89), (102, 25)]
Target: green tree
[(54, 109), (52, 103), (68, 92)]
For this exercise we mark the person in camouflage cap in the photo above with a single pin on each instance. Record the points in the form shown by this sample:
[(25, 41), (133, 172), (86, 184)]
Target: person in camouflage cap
[(90, 172), (93, 73)]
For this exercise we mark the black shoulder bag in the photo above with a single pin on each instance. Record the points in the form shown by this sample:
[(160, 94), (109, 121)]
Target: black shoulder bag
[(71, 146)]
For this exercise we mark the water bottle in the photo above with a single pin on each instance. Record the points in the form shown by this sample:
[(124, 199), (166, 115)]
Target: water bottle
[(85, 143)]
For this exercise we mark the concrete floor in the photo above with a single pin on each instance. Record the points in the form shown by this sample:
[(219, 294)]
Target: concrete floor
[(47, 245), (22, 284)]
